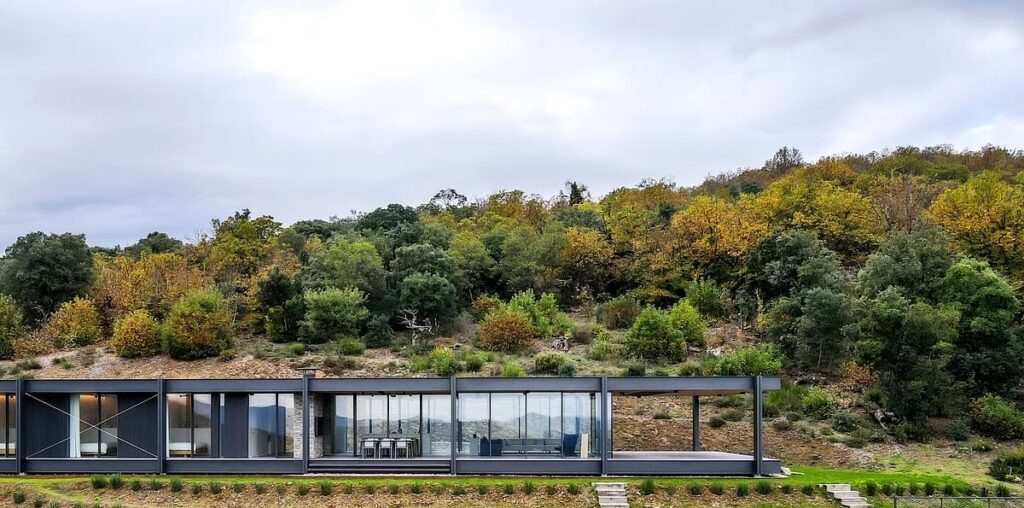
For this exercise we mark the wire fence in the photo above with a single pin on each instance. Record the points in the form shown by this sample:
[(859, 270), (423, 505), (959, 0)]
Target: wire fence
[(958, 502)]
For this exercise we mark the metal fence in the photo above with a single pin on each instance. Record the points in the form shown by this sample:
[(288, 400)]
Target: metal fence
[(958, 502)]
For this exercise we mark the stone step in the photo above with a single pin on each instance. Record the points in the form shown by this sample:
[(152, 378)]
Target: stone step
[(857, 504), (836, 486), (845, 494)]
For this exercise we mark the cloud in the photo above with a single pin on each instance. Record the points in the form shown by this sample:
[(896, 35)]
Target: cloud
[(118, 118)]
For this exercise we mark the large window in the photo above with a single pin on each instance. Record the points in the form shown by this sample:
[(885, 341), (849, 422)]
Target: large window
[(8, 419), (97, 425), (371, 415), (437, 425), (404, 414), (426, 418), (528, 424), (271, 418), (190, 424), (343, 429)]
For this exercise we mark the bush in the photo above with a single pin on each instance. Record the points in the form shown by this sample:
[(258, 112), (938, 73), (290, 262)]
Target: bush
[(750, 361), (11, 327), (819, 403), (618, 313), (781, 425), (348, 489), (574, 489), (845, 422), (136, 334), (97, 481), (378, 332), (350, 347), (653, 338), (215, 487), (742, 490), (326, 488), (548, 363), (716, 421), (1007, 464), (707, 297), (332, 313), (733, 415), (635, 370), (442, 359), (567, 369), (198, 326), (541, 312), (35, 343), (416, 489), (992, 416), (807, 490), (508, 489), (584, 333), (459, 490), (506, 330), (647, 487), (483, 489), (474, 361), (116, 481), (603, 348), (177, 484), (696, 489), (764, 488), (483, 305), (196, 489), (76, 323), (717, 489), (683, 317), (512, 369), (296, 350), (786, 489), (155, 484), (18, 497), (906, 432), (1002, 491), (528, 487), (303, 489), (662, 415)]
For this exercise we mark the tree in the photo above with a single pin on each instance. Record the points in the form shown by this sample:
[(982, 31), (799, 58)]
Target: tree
[(42, 271), (785, 159), (11, 327), (347, 263), (282, 305), (653, 338), (577, 193), (989, 353), (430, 294), (332, 314), (136, 335), (684, 317), (585, 261), (909, 346), (154, 283), (76, 323), (915, 261), (421, 258), (713, 236), (385, 219), (241, 244), (155, 243), (985, 218), (198, 326), (474, 266)]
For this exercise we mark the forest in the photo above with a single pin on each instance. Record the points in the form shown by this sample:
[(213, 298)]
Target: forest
[(899, 268)]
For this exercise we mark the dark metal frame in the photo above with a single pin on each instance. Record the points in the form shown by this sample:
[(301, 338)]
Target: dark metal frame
[(308, 387)]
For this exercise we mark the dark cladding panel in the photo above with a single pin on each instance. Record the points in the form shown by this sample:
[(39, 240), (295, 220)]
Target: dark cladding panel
[(136, 424), (234, 430), (46, 432)]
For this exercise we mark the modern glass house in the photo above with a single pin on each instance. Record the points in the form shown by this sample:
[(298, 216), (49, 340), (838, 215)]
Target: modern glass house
[(458, 425)]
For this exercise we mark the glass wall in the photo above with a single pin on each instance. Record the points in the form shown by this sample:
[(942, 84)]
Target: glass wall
[(190, 424), (97, 425), (343, 428), (285, 425), (271, 425), (404, 414), (8, 419), (371, 415), (436, 438), (540, 424)]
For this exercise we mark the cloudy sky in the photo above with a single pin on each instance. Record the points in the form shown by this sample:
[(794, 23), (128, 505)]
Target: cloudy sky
[(120, 118)]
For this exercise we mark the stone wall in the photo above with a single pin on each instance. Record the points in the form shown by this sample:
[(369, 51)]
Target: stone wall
[(316, 443)]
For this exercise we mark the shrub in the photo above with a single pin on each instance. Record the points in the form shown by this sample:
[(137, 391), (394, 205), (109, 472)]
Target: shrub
[(198, 326), (482, 489), (378, 331), (618, 313), (512, 369), (541, 312), (474, 361), (781, 425), (11, 327), (635, 370), (416, 489), (871, 489), (483, 305), (843, 421), (326, 488), (662, 415), (215, 488), (350, 347), (717, 489), (296, 350), (97, 481), (696, 489), (807, 490), (508, 489), (155, 484), (177, 484), (948, 490), (506, 330), (887, 489), (260, 488), (548, 363), (786, 489), (34, 343), (528, 487), (684, 318), (227, 355), (584, 333), (652, 338), (18, 497), (303, 489), (992, 416), (707, 297), (567, 369), (764, 488), (929, 489), (716, 422), (742, 490), (899, 490), (733, 415), (196, 489), (459, 490), (603, 348), (348, 489), (1007, 464), (442, 359), (76, 323), (1002, 490), (819, 402), (238, 488), (136, 334), (906, 432), (647, 487), (750, 361), (116, 481), (914, 489), (332, 313), (959, 431), (574, 489)]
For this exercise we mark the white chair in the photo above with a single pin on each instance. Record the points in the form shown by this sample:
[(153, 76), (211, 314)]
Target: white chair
[(369, 448), (402, 448), (386, 446)]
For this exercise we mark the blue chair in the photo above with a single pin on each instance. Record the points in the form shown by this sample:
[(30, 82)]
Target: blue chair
[(485, 447), (569, 444)]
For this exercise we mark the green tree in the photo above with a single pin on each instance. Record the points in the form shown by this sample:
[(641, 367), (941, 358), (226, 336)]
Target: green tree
[(653, 338), (347, 263), (11, 327), (421, 258), (430, 294), (909, 347), (332, 314), (43, 271), (474, 266), (989, 354), (387, 218), (155, 243), (198, 326), (916, 261), (279, 299), (687, 320)]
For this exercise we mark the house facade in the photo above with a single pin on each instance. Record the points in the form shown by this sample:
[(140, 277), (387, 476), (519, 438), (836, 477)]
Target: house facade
[(457, 425)]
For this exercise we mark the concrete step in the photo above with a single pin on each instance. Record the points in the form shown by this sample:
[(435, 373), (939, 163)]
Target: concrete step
[(845, 494), (857, 504), (835, 486)]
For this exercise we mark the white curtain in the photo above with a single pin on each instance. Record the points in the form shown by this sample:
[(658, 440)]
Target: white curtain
[(74, 424)]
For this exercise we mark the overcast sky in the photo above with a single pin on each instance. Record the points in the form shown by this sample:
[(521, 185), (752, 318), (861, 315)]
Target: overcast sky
[(120, 118)]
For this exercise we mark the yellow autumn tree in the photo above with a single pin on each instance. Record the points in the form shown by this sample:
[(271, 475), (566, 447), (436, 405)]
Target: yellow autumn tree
[(153, 283), (713, 235), (586, 259), (985, 217)]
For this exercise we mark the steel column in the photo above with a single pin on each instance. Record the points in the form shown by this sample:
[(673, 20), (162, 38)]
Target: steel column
[(305, 422), (758, 410), (161, 418), (696, 423), (606, 425), (454, 423), (19, 433)]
